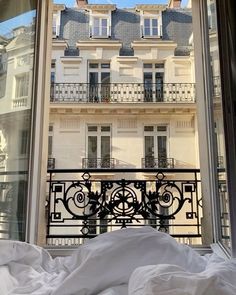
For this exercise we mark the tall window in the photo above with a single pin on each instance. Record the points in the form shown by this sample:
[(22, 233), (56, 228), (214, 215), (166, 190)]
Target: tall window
[(153, 78), (22, 85), (98, 146), (100, 27), (99, 81), (155, 147)]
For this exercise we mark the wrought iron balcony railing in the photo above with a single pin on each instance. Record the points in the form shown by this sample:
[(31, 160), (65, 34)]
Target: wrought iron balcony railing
[(51, 163), (98, 163), (123, 93), (82, 203), (151, 162)]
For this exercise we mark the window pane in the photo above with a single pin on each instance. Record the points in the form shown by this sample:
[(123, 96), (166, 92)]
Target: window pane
[(104, 31), (96, 31), (92, 128), (104, 22), (161, 128), (146, 22), (154, 22), (105, 128), (17, 31), (92, 147), (147, 31), (159, 66), (161, 145), (154, 31), (96, 22), (93, 66), (105, 151), (105, 66), (148, 128), (149, 146), (147, 66)]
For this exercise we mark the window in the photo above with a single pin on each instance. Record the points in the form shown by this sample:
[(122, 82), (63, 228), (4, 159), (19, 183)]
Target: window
[(155, 147), (153, 80), (55, 24), (99, 82), (150, 27), (22, 85), (98, 147), (100, 27)]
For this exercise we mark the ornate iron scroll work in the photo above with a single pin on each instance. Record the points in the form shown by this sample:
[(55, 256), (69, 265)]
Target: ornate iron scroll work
[(86, 207)]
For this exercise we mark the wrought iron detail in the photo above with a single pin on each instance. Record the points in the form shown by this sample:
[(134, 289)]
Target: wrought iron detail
[(86, 207), (123, 92), (151, 162), (98, 162)]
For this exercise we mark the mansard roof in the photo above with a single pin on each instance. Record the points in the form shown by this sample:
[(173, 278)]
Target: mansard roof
[(176, 26)]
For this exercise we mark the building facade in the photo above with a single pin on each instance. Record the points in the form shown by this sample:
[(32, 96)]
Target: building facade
[(122, 92)]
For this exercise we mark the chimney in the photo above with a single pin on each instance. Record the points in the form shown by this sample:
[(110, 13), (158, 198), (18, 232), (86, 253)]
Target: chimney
[(174, 3), (81, 3)]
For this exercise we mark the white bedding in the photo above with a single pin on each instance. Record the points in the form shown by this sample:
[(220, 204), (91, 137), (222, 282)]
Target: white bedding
[(125, 262)]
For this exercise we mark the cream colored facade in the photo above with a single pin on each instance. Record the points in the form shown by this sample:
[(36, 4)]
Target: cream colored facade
[(70, 119)]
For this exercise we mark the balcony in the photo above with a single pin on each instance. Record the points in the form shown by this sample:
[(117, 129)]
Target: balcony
[(151, 162), (98, 163), (82, 204), (123, 93)]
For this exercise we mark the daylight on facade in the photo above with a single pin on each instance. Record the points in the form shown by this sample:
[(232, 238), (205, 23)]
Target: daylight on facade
[(117, 147), (122, 138)]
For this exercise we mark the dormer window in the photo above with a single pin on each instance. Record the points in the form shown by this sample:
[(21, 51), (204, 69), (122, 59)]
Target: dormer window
[(100, 19), (150, 27), (150, 20), (100, 27)]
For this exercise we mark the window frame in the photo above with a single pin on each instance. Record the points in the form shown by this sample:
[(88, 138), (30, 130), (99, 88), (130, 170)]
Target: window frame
[(100, 19)]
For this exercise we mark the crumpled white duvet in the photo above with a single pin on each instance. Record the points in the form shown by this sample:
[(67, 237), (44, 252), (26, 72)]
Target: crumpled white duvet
[(125, 262)]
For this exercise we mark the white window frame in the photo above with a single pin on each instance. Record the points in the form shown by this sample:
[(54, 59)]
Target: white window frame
[(151, 17), (24, 92), (98, 134), (101, 17), (155, 133), (56, 20)]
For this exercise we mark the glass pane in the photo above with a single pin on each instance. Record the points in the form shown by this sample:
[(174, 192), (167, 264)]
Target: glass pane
[(92, 128), (93, 66), (148, 128), (93, 87), (105, 66), (92, 151), (96, 22), (149, 160), (219, 125), (104, 31), (147, 66), (147, 31), (105, 87), (105, 151), (161, 147), (154, 31), (147, 22), (104, 22), (154, 22), (96, 31), (17, 43), (105, 128)]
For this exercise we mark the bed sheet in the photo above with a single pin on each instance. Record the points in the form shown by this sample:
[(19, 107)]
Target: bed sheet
[(125, 262)]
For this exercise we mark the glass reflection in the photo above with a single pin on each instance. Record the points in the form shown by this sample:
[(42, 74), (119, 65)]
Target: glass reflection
[(218, 121), (17, 41)]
